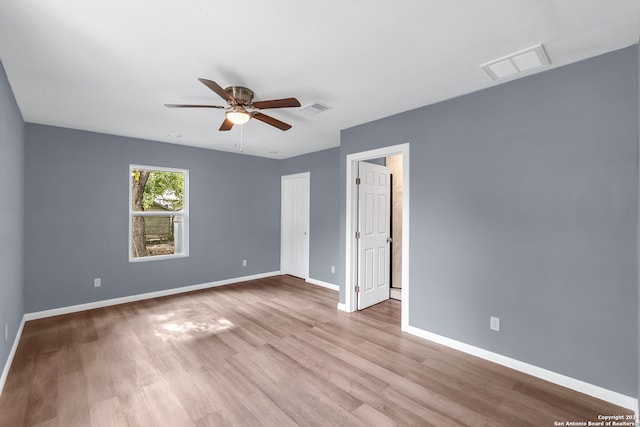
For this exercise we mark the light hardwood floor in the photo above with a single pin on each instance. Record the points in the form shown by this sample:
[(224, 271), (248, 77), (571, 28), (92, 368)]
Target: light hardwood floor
[(271, 352)]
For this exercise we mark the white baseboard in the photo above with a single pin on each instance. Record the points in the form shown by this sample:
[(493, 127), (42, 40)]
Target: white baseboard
[(323, 284), (12, 353), (342, 307), (616, 398), (139, 297)]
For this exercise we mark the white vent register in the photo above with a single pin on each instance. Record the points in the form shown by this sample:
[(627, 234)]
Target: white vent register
[(518, 63), (313, 109)]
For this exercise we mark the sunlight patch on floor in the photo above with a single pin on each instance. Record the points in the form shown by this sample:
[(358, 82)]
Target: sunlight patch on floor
[(183, 331)]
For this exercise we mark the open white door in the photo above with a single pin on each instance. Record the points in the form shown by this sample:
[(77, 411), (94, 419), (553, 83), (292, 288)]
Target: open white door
[(294, 237), (374, 235)]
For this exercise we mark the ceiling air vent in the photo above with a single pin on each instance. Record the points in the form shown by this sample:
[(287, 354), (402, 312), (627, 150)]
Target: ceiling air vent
[(516, 64), (313, 109)]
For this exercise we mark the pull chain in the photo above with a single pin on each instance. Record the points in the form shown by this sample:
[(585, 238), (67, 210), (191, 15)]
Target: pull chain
[(241, 140)]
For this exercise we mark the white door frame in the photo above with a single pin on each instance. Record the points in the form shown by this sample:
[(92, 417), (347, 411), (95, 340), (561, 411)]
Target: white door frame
[(283, 178), (351, 266)]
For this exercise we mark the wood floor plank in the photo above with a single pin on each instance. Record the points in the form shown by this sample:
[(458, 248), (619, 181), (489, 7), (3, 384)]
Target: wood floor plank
[(330, 367), (371, 416), (425, 413), (13, 407), (267, 352), (108, 413), (266, 411), (410, 389), (42, 400), (167, 409), (70, 410)]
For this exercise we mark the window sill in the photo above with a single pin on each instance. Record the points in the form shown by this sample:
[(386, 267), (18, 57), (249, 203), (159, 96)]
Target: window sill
[(157, 258)]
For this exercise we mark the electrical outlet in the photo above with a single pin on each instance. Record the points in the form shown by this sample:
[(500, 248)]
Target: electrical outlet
[(333, 269), (6, 332), (494, 323), (244, 262), (97, 282)]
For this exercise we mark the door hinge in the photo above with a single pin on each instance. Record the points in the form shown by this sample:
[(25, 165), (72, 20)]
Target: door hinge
[(358, 181), (357, 234), (357, 289)]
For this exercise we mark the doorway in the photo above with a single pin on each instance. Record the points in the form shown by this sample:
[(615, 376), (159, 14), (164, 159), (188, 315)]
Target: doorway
[(294, 225), (351, 222), (394, 164)]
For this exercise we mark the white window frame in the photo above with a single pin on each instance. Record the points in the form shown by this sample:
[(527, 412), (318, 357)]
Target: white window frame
[(184, 213)]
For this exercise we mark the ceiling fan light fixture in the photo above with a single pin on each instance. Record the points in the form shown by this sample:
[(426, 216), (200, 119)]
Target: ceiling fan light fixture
[(238, 115)]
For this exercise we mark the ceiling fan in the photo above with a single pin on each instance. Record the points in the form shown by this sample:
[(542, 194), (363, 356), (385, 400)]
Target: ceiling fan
[(241, 106)]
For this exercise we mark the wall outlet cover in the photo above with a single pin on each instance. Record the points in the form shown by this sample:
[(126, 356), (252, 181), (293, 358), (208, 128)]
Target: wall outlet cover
[(494, 323)]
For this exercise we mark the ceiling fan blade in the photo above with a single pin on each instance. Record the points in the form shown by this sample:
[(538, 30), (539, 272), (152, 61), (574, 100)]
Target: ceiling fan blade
[(219, 90), (271, 121), (192, 106), (226, 125), (277, 103)]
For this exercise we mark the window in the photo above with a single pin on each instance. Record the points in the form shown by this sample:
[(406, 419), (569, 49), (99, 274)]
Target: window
[(158, 213)]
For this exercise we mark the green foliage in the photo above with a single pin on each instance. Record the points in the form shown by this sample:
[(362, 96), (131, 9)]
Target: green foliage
[(166, 188)]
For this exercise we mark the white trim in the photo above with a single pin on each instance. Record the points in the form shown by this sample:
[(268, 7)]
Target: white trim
[(158, 257), (139, 297), (553, 377), (323, 284), (352, 159), (342, 307), (12, 353), (157, 213)]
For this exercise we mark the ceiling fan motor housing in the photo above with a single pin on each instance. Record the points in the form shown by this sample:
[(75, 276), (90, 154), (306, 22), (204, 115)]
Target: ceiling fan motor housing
[(243, 95)]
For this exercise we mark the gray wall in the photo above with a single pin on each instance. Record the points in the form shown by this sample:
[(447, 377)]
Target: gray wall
[(524, 206), (11, 218), (324, 215), (76, 217)]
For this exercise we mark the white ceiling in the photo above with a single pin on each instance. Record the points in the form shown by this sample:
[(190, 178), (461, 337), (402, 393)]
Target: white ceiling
[(110, 65)]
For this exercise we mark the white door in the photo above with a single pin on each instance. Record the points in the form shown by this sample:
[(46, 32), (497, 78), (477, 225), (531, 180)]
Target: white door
[(294, 229), (374, 219)]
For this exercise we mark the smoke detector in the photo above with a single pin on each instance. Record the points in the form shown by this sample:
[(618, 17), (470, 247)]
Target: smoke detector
[(518, 63)]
